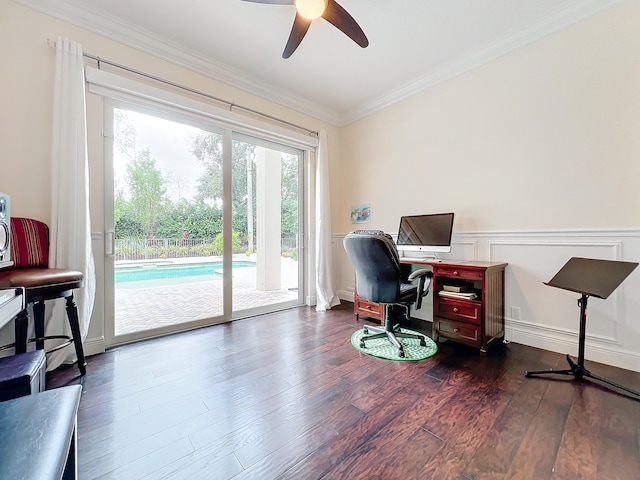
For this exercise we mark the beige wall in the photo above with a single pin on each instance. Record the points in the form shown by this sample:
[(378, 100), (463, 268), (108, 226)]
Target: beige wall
[(26, 84), (547, 137)]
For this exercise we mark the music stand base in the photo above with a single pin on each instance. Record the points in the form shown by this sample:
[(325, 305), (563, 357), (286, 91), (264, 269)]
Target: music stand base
[(578, 370)]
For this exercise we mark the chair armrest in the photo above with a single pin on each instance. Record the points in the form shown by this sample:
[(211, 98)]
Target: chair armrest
[(420, 273), (423, 286)]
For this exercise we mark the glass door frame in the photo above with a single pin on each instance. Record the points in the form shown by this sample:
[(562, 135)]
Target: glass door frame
[(109, 105), (303, 160)]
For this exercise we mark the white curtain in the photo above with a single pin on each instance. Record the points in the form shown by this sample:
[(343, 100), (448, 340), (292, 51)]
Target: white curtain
[(326, 295), (70, 229)]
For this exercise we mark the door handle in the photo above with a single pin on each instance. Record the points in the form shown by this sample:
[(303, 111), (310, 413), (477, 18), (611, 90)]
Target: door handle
[(109, 240)]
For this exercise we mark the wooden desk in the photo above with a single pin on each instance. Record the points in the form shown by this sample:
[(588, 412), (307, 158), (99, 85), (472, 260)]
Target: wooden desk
[(477, 322)]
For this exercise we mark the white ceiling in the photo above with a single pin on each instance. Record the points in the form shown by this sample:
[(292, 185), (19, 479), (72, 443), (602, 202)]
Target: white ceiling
[(414, 44)]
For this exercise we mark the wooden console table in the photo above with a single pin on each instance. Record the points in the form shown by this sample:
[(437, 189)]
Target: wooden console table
[(479, 321)]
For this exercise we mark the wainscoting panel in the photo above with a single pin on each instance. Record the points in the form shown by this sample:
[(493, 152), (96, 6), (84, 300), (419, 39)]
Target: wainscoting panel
[(542, 316)]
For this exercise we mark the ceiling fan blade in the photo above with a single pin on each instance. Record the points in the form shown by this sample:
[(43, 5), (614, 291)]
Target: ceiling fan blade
[(340, 18), (298, 31), (272, 2)]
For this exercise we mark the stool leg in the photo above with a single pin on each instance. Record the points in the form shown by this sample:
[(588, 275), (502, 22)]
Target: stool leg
[(72, 313), (38, 323), (21, 325)]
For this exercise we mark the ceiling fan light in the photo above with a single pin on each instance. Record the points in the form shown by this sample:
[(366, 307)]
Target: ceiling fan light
[(311, 9)]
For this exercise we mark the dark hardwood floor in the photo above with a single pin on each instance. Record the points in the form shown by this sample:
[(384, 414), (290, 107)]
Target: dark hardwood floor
[(286, 396)]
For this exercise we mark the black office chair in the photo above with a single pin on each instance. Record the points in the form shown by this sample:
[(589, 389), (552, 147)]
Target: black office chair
[(379, 279)]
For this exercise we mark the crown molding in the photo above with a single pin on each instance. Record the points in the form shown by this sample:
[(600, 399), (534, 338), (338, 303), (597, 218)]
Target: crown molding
[(565, 18), (132, 36)]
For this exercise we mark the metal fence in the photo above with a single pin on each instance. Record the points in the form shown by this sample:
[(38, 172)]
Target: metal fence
[(157, 248), (133, 249)]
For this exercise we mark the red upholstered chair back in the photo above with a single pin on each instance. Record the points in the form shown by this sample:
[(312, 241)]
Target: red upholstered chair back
[(29, 243)]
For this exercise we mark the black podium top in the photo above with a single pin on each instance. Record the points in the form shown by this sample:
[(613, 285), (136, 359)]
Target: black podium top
[(596, 278)]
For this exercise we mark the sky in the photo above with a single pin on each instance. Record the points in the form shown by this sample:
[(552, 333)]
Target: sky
[(169, 143)]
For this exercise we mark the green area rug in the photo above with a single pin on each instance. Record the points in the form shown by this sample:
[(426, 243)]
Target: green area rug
[(383, 348)]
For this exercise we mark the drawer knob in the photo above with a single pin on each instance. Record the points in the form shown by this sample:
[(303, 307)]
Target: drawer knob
[(455, 309), (456, 272), (456, 330)]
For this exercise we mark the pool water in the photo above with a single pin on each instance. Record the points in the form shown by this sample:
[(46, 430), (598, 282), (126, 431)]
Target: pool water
[(161, 272)]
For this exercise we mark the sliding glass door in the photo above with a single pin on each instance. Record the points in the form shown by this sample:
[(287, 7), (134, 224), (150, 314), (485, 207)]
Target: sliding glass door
[(203, 225), (267, 209)]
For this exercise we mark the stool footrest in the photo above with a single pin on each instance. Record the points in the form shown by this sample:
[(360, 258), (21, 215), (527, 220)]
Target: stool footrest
[(7, 347), (67, 341)]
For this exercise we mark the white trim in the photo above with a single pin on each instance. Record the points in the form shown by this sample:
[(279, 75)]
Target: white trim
[(120, 88), (566, 342), (127, 34), (458, 236), (94, 346), (565, 18)]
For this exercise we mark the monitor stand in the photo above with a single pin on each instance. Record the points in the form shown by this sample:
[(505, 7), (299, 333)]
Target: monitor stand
[(424, 257)]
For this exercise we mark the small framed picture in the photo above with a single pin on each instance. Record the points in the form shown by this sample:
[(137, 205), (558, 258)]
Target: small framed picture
[(361, 214)]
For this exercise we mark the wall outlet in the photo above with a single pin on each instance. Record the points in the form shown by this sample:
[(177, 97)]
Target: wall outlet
[(515, 313)]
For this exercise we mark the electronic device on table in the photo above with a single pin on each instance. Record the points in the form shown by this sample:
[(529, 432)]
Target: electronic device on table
[(423, 236), (5, 232)]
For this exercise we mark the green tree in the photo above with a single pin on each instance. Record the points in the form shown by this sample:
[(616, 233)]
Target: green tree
[(208, 149), (235, 242), (148, 192), (198, 219), (290, 195), (126, 226)]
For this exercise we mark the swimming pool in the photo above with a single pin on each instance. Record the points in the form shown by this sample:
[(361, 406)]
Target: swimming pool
[(141, 273)]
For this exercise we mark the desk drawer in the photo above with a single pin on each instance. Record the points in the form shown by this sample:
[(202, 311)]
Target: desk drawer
[(368, 309), (454, 272), (465, 311), (458, 331)]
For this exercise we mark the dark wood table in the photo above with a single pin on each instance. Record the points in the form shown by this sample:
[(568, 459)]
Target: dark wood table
[(39, 435)]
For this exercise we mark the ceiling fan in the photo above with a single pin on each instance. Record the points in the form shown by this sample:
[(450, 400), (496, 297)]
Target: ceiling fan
[(309, 10)]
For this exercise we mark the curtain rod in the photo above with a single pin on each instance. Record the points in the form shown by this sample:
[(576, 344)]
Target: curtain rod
[(231, 105)]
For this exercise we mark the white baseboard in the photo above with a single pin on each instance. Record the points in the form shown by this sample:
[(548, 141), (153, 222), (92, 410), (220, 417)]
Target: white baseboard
[(94, 346), (565, 342), (346, 295)]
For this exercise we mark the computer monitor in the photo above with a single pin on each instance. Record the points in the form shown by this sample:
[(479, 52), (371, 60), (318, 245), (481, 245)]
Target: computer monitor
[(426, 234)]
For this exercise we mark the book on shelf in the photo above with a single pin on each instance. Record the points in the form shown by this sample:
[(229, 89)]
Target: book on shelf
[(458, 288), (461, 295)]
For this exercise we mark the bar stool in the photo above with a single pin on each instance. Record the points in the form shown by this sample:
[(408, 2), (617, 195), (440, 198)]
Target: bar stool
[(30, 254)]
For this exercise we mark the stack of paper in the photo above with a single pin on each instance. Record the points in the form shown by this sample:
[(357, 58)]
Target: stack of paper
[(462, 295)]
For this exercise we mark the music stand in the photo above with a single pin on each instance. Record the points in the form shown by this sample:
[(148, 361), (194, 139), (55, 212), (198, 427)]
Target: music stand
[(588, 277)]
